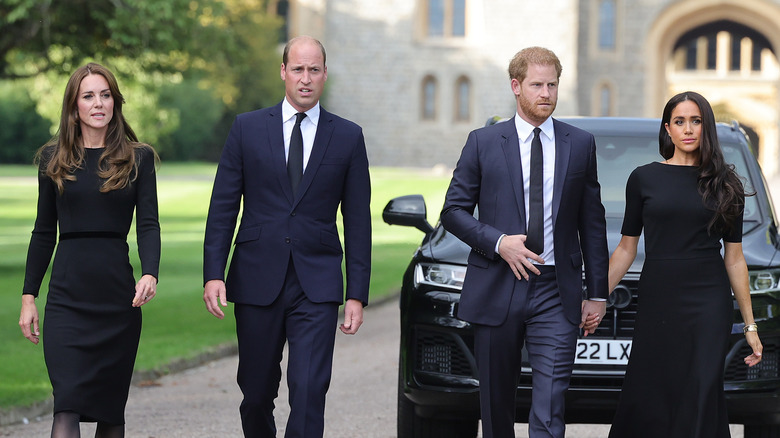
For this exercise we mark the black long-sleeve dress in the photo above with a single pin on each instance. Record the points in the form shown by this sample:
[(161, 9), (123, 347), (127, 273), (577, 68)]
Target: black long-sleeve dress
[(674, 380), (90, 330)]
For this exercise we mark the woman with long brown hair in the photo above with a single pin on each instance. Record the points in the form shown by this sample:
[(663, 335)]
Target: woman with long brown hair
[(686, 206), (92, 176)]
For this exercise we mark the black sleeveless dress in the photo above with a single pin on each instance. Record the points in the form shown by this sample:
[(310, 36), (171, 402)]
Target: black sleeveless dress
[(90, 330), (674, 380)]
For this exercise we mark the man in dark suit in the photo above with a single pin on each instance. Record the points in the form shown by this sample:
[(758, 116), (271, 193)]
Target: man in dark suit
[(534, 181), (292, 165)]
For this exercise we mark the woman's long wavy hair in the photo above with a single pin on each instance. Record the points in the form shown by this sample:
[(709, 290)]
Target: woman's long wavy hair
[(720, 187), (64, 153)]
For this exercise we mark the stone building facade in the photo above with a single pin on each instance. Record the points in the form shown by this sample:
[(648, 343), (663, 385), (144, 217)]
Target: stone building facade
[(418, 75)]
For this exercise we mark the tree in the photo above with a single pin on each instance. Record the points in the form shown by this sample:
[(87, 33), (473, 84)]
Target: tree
[(40, 35), (24, 130), (224, 53)]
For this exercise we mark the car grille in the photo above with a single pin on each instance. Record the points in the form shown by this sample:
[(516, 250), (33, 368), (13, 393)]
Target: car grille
[(737, 371), (619, 323), (442, 353)]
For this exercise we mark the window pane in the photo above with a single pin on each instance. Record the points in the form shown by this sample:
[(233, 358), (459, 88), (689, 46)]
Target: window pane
[(712, 51), (435, 17), (464, 99), (458, 17), (756, 59), (607, 24), (429, 99), (690, 55), (605, 101), (736, 52)]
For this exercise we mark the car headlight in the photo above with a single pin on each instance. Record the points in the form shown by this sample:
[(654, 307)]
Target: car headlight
[(442, 275), (764, 280)]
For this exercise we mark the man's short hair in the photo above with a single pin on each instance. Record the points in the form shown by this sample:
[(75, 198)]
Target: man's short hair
[(518, 67), (298, 39)]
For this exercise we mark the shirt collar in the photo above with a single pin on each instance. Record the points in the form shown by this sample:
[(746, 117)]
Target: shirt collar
[(525, 130), (288, 112)]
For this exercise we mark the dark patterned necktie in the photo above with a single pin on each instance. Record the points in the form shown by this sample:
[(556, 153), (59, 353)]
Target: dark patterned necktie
[(295, 156), (535, 241)]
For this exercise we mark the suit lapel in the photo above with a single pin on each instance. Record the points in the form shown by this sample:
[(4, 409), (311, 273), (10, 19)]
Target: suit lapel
[(276, 145), (511, 146), (321, 142), (562, 154)]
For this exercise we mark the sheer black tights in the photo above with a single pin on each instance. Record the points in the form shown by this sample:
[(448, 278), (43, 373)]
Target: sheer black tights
[(66, 425), (105, 430)]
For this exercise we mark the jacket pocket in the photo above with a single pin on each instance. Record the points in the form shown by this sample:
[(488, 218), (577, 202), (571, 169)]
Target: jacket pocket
[(248, 234), (576, 260), (329, 239), (478, 260)]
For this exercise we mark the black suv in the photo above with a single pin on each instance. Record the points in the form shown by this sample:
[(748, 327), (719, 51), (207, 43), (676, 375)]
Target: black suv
[(437, 382)]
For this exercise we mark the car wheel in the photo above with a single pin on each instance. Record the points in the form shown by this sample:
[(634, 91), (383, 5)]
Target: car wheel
[(411, 425), (762, 431)]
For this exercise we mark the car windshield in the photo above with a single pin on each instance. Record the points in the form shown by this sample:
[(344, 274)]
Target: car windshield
[(618, 156)]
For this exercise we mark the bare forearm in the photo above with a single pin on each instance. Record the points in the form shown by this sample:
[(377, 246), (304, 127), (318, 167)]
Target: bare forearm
[(621, 260)]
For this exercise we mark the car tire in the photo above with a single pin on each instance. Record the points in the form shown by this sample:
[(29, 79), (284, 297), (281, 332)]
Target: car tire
[(762, 431), (411, 425)]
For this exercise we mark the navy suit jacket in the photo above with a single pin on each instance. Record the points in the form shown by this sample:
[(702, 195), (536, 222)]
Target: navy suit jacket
[(277, 225), (489, 174)]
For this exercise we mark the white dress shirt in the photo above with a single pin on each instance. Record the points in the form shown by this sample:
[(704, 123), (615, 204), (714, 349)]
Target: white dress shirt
[(308, 129), (525, 135)]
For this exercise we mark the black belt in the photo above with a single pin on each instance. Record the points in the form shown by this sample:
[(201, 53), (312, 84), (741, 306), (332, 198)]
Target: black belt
[(92, 235), (545, 269)]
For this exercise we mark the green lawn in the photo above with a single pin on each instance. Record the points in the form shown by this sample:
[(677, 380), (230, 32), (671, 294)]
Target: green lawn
[(176, 324)]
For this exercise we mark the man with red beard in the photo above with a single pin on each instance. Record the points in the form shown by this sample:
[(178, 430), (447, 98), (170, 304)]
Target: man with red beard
[(534, 182)]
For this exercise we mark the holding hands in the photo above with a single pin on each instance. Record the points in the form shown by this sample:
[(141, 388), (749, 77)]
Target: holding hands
[(592, 313), (751, 336)]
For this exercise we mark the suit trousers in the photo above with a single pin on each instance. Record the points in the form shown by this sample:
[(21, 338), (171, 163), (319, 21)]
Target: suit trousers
[(536, 318), (309, 329)]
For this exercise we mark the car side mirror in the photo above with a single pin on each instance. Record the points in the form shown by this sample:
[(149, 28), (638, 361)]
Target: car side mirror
[(408, 211)]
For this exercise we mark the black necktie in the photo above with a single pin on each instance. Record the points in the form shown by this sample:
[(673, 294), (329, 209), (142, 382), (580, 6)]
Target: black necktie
[(535, 241), (295, 156)]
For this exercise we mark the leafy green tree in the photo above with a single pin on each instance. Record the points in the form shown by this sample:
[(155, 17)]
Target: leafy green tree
[(23, 129), (198, 112), (186, 67), (30, 29)]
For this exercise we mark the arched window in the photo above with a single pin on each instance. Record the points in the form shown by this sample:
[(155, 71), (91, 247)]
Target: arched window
[(607, 24), (605, 101), (463, 99), (429, 98)]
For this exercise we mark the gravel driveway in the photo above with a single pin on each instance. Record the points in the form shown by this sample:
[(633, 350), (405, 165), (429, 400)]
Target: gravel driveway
[(203, 402)]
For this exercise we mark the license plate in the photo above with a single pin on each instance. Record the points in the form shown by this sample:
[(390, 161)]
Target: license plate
[(602, 351)]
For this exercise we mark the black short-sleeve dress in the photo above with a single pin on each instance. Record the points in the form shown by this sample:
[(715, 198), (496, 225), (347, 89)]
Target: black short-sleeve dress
[(90, 330), (674, 381)]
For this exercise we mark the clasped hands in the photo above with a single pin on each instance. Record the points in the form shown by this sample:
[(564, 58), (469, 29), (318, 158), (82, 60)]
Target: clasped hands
[(519, 258)]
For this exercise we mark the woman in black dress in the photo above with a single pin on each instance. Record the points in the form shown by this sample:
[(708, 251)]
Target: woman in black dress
[(92, 176), (686, 204)]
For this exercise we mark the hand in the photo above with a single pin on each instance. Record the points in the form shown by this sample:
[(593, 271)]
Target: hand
[(28, 319), (353, 317), (214, 294), (145, 290), (755, 343), (512, 249), (592, 314)]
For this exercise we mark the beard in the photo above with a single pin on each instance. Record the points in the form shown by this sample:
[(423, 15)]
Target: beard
[(533, 111)]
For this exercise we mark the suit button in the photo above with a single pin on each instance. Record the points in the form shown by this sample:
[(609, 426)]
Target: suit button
[(292, 214), (286, 240)]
